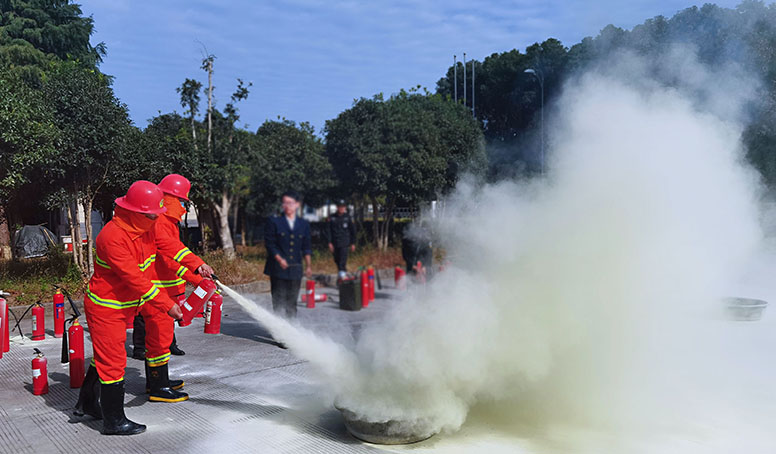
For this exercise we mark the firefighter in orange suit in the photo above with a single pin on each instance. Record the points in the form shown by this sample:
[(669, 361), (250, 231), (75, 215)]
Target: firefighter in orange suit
[(120, 288), (173, 271)]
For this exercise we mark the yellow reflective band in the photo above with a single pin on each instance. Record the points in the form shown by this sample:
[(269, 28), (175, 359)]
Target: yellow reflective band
[(167, 284), (181, 271), (101, 262), (159, 360), (113, 303), (182, 253), (108, 382), (144, 266), (151, 294)]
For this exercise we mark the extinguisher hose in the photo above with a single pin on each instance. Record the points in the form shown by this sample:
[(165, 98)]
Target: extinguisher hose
[(379, 283), (19, 320), (65, 350)]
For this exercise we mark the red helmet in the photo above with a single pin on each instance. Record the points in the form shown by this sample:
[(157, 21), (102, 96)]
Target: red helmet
[(176, 185), (143, 197)]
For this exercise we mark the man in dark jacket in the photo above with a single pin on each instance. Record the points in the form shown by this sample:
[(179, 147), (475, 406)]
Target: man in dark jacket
[(342, 236), (287, 239)]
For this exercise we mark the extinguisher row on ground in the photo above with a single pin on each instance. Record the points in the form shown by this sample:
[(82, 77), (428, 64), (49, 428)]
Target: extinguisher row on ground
[(206, 294)]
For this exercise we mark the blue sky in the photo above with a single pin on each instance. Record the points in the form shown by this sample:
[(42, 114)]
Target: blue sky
[(308, 59)]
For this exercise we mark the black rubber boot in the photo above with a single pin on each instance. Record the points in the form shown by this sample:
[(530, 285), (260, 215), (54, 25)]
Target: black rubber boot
[(160, 386), (174, 384), (89, 397), (138, 337), (114, 421), (174, 350)]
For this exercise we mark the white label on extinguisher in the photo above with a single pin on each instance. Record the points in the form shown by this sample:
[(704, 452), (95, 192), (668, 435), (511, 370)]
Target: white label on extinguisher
[(35, 373), (34, 322), (72, 351), (200, 292), (187, 306)]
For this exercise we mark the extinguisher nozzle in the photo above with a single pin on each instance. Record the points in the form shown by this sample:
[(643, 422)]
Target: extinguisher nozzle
[(37, 352)]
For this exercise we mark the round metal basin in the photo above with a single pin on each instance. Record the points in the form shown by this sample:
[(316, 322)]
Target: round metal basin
[(384, 433), (745, 309)]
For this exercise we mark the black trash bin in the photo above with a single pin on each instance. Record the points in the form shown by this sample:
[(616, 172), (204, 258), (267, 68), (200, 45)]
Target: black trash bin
[(350, 294)]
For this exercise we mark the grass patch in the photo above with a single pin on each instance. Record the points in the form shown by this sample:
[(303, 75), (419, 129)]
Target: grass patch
[(30, 280)]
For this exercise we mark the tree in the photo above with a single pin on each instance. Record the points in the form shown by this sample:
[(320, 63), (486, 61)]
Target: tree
[(35, 33), (189, 92), (409, 149), (94, 125), (290, 156), (28, 139)]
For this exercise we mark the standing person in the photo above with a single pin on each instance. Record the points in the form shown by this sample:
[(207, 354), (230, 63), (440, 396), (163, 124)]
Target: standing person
[(287, 239), (342, 236), (172, 275), (120, 287), (173, 271)]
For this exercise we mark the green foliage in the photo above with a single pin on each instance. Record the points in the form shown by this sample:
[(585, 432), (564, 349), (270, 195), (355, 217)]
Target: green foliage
[(94, 126), (290, 157), (408, 149), (33, 34), (28, 135)]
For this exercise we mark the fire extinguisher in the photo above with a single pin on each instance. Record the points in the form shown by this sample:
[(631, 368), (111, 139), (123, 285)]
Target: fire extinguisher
[(3, 324), (76, 354), (370, 274), (193, 305), (213, 314), (39, 374), (59, 314), (309, 296), (364, 290), (38, 322), (399, 279)]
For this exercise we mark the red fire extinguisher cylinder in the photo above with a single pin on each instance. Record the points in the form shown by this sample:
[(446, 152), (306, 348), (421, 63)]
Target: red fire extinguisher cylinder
[(75, 335), (194, 304), (370, 274), (39, 374), (364, 289), (310, 293), (4, 336), (59, 314), (38, 322), (213, 314)]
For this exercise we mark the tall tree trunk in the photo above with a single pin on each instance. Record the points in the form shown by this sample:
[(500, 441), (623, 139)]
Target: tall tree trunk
[(5, 236), (87, 206), (243, 229), (75, 235), (224, 232), (194, 132), (375, 222), (385, 227), (235, 207), (210, 105)]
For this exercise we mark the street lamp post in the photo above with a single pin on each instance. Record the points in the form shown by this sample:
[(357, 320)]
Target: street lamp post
[(540, 77)]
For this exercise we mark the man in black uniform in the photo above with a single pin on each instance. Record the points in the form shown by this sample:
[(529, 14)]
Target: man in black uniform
[(342, 236), (287, 238)]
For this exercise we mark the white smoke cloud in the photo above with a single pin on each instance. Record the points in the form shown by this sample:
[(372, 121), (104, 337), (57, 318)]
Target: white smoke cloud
[(581, 310), (588, 299)]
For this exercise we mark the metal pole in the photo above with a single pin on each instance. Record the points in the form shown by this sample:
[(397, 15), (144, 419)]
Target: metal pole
[(464, 78), (455, 78), (473, 113)]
